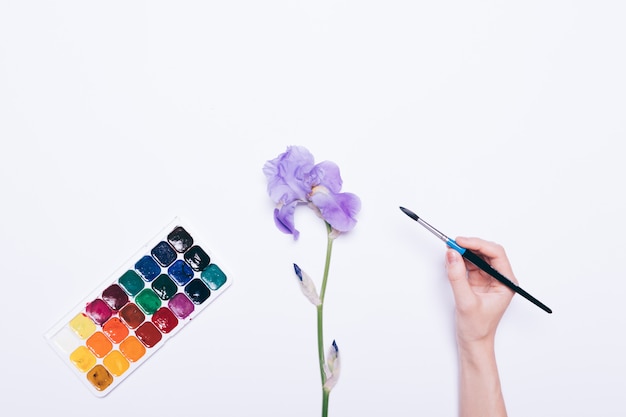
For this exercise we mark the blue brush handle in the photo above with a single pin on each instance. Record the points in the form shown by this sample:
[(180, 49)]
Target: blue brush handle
[(480, 263)]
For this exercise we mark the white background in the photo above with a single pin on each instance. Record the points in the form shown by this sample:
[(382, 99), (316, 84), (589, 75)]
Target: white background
[(492, 119)]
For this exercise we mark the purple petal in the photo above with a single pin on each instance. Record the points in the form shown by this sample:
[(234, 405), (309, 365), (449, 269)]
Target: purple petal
[(283, 217), (288, 175), (339, 210), (327, 174), (293, 178)]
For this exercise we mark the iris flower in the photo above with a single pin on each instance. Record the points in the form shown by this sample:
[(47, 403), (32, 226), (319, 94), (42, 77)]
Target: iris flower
[(293, 178)]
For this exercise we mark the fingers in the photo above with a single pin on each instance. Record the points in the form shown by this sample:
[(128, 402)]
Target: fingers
[(457, 275), (492, 252)]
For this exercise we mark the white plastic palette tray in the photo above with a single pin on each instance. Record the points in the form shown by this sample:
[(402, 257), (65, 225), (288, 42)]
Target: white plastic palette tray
[(149, 299)]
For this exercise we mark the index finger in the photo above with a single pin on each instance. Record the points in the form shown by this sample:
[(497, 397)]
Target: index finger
[(492, 252)]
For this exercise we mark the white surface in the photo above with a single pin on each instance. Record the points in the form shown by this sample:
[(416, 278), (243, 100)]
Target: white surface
[(501, 121)]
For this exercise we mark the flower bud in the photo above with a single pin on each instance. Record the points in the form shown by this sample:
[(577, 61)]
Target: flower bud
[(333, 367), (307, 286)]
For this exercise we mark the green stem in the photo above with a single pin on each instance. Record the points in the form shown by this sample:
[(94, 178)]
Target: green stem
[(320, 321), (320, 341), (329, 250), (325, 395)]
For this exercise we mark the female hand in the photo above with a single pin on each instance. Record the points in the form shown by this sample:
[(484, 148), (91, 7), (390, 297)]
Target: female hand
[(480, 299), (480, 304)]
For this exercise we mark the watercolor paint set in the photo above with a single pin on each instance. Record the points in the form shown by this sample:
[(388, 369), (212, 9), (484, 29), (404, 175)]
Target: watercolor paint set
[(137, 309)]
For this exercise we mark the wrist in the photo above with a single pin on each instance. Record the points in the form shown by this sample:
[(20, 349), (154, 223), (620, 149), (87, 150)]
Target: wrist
[(477, 351), (480, 390)]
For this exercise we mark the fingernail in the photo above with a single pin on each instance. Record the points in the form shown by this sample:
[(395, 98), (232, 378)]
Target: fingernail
[(451, 256)]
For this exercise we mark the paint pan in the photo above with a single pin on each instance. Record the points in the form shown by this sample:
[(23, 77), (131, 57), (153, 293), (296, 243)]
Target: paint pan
[(139, 307)]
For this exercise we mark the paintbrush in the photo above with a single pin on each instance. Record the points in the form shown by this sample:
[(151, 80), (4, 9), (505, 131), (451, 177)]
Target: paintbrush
[(478, 261)]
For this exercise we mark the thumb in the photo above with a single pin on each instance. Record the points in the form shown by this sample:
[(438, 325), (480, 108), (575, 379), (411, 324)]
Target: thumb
[(457, 275)]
